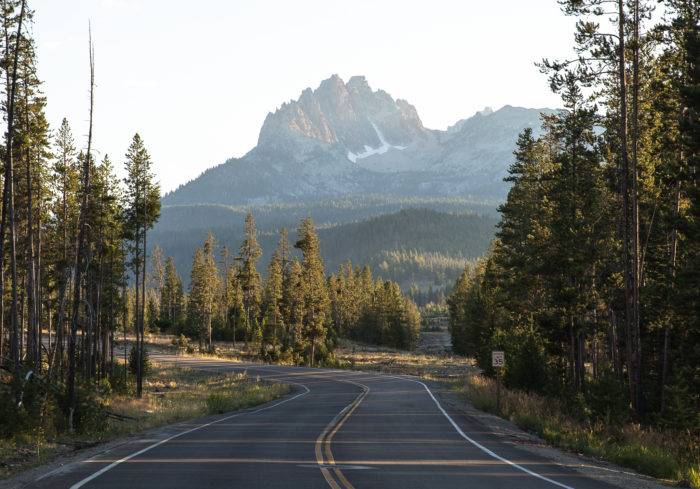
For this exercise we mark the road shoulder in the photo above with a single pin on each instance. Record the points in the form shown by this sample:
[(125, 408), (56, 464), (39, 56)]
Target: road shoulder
[(509, 433), (126, 444)]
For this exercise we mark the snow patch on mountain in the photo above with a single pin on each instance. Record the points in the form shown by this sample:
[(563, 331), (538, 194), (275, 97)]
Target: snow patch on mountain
[(369, 151)]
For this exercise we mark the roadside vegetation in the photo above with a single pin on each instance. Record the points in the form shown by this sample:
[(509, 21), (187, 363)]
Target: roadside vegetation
[(591, 284), (667, 454), (170, 394)]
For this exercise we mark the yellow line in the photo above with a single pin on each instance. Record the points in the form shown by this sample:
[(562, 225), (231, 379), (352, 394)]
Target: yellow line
[(323, 442), (329, 478), (329, 438)]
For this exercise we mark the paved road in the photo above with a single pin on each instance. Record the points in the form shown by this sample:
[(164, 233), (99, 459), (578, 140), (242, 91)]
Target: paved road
[(336, 429)]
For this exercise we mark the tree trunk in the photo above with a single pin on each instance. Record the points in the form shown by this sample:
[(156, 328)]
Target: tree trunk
[(142, 313), (630, 268), (137, 313), (209, 331), (79, 252), (636, 359), (9, 184), (671, 286)]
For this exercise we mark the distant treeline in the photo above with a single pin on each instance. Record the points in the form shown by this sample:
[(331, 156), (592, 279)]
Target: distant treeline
[(422, 247), (294, 313)]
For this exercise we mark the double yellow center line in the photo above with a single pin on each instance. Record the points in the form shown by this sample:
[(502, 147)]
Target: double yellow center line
[(324, 456)]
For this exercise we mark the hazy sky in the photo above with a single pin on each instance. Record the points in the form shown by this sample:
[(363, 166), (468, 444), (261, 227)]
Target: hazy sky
[(196, 79)]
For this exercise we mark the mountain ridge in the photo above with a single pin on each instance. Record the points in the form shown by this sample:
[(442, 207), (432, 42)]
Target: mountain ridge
[(345, 139)]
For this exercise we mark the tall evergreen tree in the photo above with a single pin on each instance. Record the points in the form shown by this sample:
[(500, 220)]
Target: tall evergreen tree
[(142, 209), (314, 289), (204, 287), (248, 275)]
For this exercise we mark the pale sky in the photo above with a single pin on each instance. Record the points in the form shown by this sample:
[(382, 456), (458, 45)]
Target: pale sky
[(196, 79)]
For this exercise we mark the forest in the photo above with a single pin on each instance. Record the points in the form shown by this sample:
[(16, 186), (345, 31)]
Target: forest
[(591, 283), (292, 313), (425, 247), (80, 272)]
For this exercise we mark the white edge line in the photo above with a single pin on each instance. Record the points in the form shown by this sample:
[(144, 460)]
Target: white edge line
[(81, 483), (479, 445)]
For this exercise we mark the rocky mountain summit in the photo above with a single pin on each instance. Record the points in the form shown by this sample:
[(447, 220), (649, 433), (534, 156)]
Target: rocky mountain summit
[(345, 139)]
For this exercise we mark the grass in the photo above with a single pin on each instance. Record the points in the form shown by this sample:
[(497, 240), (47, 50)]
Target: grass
[(388, 360), (665, 454), (171, 394)]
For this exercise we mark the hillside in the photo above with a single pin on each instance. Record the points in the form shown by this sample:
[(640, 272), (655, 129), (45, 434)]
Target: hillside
[(416, 246)]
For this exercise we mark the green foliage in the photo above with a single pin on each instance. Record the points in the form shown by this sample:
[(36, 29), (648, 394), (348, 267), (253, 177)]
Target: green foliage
[(204, 291), (552, 292), (133, 362), (527, 360), (119, 380), (607, 398), (315, 293), (427, 244), (372, 311)]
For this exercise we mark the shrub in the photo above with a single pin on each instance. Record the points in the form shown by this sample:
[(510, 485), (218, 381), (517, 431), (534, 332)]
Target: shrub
[(526, 367), (118, 379), (145, 362), (607, 398), (220, 403)]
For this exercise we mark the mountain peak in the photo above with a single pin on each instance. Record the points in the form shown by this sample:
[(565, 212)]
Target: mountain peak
[(344, 138), (351, 117), (358, 83)]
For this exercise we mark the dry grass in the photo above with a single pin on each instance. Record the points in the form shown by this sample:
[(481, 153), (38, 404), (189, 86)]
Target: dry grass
[(665, 454), (171, 394), (387, 360)]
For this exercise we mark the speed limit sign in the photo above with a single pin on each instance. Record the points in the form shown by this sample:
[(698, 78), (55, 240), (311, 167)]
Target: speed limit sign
[(498, 359)]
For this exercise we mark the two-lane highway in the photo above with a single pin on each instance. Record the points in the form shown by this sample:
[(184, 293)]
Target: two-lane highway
[(337, 429)]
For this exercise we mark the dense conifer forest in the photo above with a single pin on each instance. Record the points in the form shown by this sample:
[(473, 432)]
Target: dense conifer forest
[(424, 248), (591, 284), (293, 312)]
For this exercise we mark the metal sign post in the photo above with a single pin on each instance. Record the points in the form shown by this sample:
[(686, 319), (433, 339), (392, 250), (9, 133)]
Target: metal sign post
[(498, 361)]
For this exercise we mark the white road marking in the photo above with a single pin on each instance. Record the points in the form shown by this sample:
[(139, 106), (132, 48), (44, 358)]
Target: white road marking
[(77, 485), (306, 391), (479, 445)]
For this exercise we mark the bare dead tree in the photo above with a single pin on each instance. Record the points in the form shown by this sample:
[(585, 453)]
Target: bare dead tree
[(80, 245)]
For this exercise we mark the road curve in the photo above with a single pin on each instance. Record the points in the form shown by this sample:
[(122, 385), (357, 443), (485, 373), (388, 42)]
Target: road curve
[(336, 429)]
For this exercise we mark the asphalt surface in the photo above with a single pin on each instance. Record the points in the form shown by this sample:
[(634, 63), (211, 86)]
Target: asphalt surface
[(336, 429)]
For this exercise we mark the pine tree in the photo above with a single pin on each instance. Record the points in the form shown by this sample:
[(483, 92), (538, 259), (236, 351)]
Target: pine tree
[(235, 308), (314, 288), (171, 306), (248, 275), (293, 308), (687, 302), (64, 226), (204, 287), (142, 209), (272, 304)]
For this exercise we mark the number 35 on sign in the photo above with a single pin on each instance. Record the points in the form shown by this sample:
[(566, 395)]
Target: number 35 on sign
[(498, 359)]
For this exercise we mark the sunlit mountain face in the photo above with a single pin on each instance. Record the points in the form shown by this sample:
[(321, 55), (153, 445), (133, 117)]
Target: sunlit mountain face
[(346, 139)]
